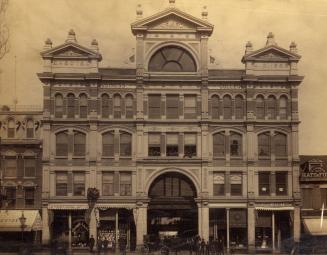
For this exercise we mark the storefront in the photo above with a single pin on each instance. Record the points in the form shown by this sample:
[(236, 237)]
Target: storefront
[(14, 229), (115, 224)]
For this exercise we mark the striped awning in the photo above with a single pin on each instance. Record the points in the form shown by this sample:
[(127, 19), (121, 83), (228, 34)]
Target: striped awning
[(108, 206), (66, 206), (269, 208)]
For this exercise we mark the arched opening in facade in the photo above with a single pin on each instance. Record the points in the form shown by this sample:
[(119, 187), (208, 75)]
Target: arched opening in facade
[(172, 209)]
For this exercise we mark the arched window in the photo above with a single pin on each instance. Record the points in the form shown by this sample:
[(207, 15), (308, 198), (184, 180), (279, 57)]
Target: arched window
[(264, 145), (260, 107), (108, 144), (235, 144), (83, 106), (71, 106), (172, 59), (280, 142), (62, 144), (117, 106), (215, 107), (283, 107), (271, 107), (30, 129), (227, 102), (239, 107), (59, 106), (125, 144), (11, 128), (129, 107), (105, 106), (219, 145), (79, 144)]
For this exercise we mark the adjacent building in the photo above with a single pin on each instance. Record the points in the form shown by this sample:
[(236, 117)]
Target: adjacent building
[(174, 147), (21, 173)]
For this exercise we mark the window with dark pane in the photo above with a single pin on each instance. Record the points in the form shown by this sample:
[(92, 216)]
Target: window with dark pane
[(271, 107), (172, 145), (61, 184), (219, 146), (172, 102), (283, 108), (129, 107), (235, 184), (264, 145), (70, 106), (62, 144), (307, 201), (105, 106), (29, 167), (280, 141), (108, 144), (264, 183), (11, 129), (79, 144), (190, 107), (59, 106), (154, 145), (281, 183), (29, 196), (172, 59), (227, 104), (30, 129), (190, 145), (260, 107), (154, 106), (79, 184), (239, 107), (125, 184), (10, 167), (83, 106), (235, 144), (108, 183), (117, 106), (219, 184), (215, 107), (11, 197), (125, 144)]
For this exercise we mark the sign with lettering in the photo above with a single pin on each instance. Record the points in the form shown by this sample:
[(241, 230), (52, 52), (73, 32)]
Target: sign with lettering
[(313, 170)]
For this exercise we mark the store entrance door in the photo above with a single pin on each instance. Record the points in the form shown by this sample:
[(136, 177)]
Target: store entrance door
[(172, 209)]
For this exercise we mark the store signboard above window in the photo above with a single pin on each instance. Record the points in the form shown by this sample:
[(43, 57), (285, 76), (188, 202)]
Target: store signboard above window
[(313, 170)]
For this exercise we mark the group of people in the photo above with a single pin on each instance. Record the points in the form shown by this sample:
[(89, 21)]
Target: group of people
[(199, 246), (103, 245)]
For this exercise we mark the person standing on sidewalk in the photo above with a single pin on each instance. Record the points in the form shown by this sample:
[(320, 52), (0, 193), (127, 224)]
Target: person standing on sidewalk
[(91, 243)]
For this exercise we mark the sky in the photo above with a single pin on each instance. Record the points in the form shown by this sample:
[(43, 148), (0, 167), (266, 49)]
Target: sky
[(235, 22)]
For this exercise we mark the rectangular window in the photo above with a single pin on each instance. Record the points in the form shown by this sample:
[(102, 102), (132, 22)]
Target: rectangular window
[(125, 184), (190, 145), (264, 183), (172, 102), (219, 184), (307, 198), (108, 184), (29, 197), (79, 184), (61, 184), (29, 167), (11, 197), (11, 168), (189, 107), (235, 184), (108, 144), (172, 145), (11, 132), (154, 106), (219, 145), (154, 145), (30, 132), (281, 183)]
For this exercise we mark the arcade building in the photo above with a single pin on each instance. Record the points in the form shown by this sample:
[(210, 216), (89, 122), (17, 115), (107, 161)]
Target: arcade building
[(174, 147)]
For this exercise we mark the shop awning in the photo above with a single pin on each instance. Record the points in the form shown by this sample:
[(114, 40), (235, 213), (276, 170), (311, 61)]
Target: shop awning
[(285, 208), (314, 227), (9, 220), (64, 206), (119, 206)]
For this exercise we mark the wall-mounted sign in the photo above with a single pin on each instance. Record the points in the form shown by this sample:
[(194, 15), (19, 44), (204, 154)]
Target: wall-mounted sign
[(313, 170)]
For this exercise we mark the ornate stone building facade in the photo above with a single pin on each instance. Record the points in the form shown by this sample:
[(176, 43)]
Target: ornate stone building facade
[(173, 147)]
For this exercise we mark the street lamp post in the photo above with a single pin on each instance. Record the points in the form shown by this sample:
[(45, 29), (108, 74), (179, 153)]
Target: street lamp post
[(22, 220)]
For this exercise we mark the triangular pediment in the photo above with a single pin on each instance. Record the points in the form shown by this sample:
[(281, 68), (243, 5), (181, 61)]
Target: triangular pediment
[(172, 19), (70, 50), (272, 53)]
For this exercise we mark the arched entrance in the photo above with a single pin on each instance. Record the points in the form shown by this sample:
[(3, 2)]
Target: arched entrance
[(172, 209)]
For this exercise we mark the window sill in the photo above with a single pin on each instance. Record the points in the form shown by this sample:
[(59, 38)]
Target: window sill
[(219, 158), (264, 158), (78, 157), (281, 158), (61, 157), (125, 157), (236, 157), (107, 157)]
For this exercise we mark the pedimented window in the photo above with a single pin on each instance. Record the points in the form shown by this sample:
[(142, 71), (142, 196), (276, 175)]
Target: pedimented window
[(172, 59)]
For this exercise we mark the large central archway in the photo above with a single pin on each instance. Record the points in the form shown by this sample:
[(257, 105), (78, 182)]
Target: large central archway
[(172, 207)]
